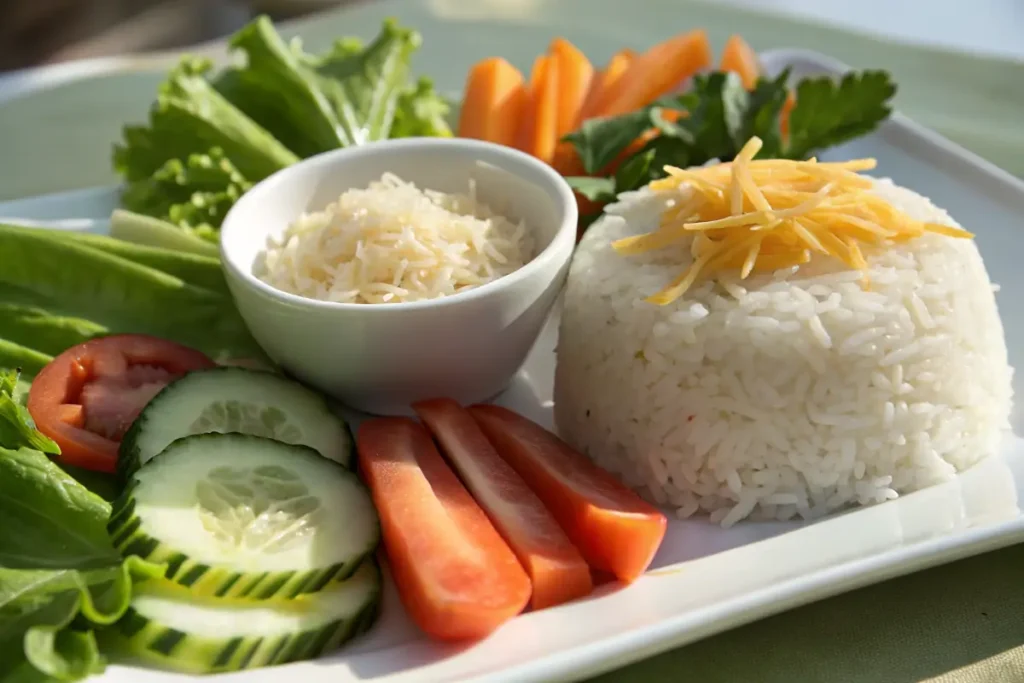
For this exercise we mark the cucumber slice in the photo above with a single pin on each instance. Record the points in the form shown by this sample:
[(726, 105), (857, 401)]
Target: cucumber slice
[(233, 399), (235, 515), (167, 626)]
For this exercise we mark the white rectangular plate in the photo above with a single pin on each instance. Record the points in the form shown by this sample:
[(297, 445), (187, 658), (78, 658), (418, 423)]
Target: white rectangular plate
[(706, 579)]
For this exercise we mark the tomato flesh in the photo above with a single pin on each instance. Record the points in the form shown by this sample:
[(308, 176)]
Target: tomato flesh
[(86, 398), (455, 575), (615, 530)]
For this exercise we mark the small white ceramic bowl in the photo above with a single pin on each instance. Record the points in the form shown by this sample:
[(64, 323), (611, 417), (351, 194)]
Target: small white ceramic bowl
[(379, 358)]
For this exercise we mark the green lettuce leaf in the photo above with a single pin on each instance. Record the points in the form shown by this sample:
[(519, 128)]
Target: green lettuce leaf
[(191, 117), (50, 520), (60, 575), (136, 228), (64, 274), (422, 112), (363, 87), (17, 430), (195, 194)]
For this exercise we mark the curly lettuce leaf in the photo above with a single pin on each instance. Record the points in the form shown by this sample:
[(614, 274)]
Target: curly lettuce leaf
[(60, 575), (191, 117), (422, 112), (195, 194)]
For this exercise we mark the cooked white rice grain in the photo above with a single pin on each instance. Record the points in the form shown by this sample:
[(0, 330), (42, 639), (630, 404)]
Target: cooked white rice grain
[(782, 395)]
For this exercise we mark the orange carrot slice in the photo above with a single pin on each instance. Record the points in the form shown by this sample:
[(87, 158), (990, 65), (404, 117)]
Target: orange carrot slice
[(455, 575), (493, 102), (603, 85), (606, 83), (575, 73), (611, 525), (556, 568), (741, 59), (538, 129), (660, 70), (787, 109)]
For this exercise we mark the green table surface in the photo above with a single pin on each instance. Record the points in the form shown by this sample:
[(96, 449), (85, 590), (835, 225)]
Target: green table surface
[(962, 622)]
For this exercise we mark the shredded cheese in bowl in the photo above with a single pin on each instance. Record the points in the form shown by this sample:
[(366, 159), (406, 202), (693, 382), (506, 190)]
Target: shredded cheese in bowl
[(767, 215), (392, 243)]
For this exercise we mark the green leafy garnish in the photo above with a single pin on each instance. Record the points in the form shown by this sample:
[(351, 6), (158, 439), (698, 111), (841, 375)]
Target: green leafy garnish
[(210, 137), (828, 114), (60, 575), (60, 286), (195, 195), (17, 430), (191, 117), (718, 116), (422, 112)]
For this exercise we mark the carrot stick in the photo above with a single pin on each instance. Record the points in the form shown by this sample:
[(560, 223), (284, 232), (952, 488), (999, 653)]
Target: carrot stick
[(741, 59), (556, 568), (602, 86), (575, 73), (538, 129), (614, 529), (660, 70), (605, 84), (493, 102), (455, 575), (787, 108)]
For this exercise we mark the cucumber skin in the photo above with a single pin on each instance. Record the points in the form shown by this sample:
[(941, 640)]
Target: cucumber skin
[(128, 451), (125, 531), (172, 649)]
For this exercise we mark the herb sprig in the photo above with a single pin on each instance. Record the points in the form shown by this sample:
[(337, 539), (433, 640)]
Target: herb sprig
[(713, 120)]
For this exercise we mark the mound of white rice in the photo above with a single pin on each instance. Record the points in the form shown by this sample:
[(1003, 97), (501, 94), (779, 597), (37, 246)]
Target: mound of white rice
[(786, 395)]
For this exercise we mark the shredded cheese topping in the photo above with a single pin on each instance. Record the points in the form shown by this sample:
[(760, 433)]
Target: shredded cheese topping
[(393, 242), (770, 214)]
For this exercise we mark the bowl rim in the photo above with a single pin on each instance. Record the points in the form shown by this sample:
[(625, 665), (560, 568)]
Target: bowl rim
[(323, 162)]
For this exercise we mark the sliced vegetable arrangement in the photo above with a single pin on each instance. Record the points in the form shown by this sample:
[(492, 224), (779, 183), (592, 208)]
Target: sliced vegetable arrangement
[(211, 136), (614, 129), (250, 541)]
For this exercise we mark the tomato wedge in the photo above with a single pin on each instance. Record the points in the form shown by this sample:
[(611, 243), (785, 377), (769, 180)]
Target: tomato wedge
[(616, 530), (557, 570), (86, 398), (455, 575)]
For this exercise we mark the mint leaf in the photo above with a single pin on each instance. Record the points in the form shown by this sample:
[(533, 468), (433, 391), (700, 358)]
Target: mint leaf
[(829, 113)]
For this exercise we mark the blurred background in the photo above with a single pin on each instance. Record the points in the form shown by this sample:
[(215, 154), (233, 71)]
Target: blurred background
[(36, 32)]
